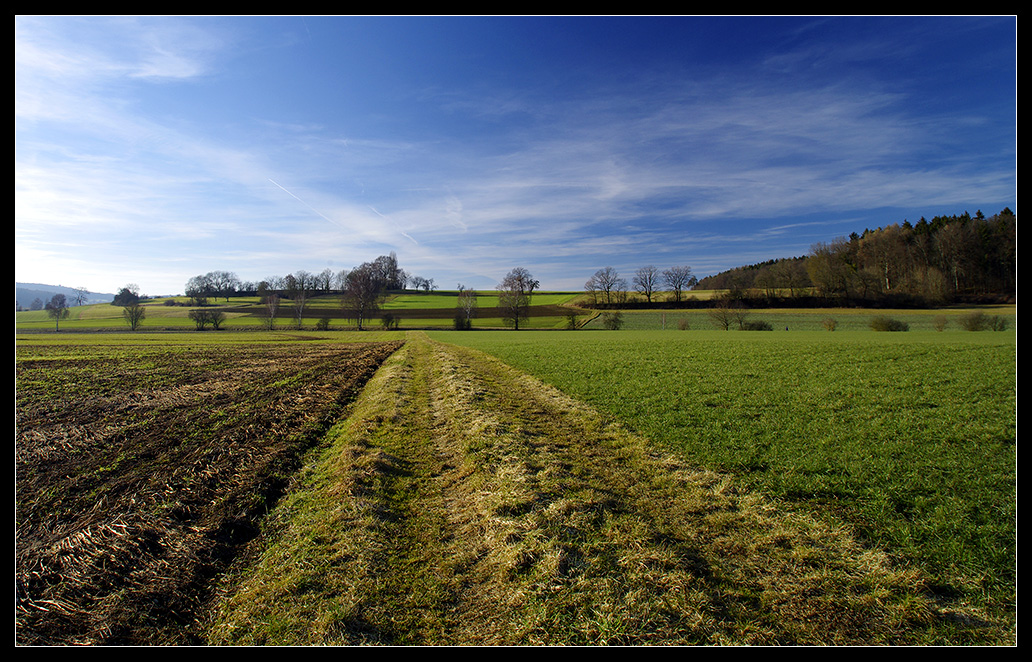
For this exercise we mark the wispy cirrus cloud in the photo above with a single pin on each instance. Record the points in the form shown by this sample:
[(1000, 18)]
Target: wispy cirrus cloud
[(195, 140)]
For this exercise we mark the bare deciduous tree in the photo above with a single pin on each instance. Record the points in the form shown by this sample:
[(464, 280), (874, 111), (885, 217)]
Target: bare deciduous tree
[(271, 307), (606, 283), (425, 284), (387, 270), (299, 286), (325, 280), (729, 311), (679, 279), (223, 283), (133, 314), (514, 294), (363, 294), (467, 306), (202, 318), (57, 309), (646, 280), (200, 289), (340, 280)]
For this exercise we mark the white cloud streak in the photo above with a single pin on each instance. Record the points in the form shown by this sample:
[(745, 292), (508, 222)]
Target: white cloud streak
[(669, 156)]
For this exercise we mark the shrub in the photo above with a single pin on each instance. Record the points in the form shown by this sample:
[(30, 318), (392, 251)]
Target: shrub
[(462, 323), (390, 321), (682, 324), (982, 322), (200, 318), (323, 324), (203, 318), (216, 317), (997, 323), (613, 320), (974, 322), (757, 325), (882, 323), (829, 323), (940, 322)]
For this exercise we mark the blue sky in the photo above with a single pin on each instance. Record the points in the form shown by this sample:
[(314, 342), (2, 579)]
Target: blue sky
[(152, 149)]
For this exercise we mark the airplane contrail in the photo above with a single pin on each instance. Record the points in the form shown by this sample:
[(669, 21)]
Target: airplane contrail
[(308, 205), (401, 232)]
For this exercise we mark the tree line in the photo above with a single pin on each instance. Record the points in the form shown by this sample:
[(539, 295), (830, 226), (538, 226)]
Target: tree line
[(607, 288), (947, 259), (362, 292), (958, 258), (225, 284), (362, 289)]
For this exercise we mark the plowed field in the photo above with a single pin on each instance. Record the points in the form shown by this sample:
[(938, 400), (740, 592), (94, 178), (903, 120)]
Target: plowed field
[(141, 472)]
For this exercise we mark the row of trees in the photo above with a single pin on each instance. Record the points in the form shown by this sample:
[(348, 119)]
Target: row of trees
[(950, 258), (362, 291), (58, 309), (607, 287), (226, 284)]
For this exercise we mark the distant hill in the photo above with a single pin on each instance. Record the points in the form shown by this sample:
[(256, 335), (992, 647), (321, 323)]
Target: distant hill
[(26, 293)]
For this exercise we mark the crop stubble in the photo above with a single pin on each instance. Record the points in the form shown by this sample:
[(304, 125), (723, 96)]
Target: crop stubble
[(141, 472)]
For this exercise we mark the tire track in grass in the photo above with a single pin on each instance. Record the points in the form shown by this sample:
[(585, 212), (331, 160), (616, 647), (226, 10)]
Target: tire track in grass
[(481, 506)]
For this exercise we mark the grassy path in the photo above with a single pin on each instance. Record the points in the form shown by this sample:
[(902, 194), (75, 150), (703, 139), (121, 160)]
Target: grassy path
[(464, 502)]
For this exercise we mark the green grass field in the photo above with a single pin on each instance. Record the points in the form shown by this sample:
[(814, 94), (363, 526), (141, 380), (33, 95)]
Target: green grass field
[(908, 437)]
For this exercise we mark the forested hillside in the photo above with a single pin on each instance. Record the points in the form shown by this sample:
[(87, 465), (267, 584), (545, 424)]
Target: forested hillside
[(948, 259)]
